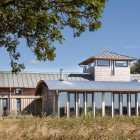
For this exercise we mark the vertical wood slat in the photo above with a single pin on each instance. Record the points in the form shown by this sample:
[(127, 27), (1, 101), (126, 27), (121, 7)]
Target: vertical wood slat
[(68, 104), (136, 105), (85, 103), (112, 104), (120, 103), (77, 105), (1, 107), (58, 109), (103, 104), (128, 104), (93, 103)]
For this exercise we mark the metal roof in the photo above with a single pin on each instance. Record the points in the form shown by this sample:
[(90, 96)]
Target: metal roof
[(92, 86), (107, 55), (30, 79)]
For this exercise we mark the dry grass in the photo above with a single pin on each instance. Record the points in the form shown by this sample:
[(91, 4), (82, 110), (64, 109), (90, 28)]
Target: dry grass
[(86, 128)]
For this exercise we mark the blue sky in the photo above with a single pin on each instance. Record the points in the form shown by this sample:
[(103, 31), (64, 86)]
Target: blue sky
[(120, 33)]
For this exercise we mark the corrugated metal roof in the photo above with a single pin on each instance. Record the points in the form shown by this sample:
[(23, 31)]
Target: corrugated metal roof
[(92, 86), (30, 79), (107, 55)]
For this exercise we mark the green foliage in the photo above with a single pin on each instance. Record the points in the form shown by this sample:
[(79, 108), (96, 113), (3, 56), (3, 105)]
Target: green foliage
[(40, 23), (135, 69)]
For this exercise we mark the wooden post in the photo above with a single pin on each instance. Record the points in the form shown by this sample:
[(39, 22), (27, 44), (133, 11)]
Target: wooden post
[(103, 104), (136, 105), (120, 103), (93, 103), (128, 104), (10, 101), (77, 105), (54, 105), (68, 104), (58, 108), (112, 104), (85, 103)]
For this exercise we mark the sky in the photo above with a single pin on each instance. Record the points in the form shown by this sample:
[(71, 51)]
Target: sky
[(120, 33)]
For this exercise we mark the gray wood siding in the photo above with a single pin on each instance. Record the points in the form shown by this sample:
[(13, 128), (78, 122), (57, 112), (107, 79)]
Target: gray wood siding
[(104, 74), (49, 103)]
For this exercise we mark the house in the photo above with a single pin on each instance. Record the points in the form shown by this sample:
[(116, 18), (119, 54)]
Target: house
[(105, 73)]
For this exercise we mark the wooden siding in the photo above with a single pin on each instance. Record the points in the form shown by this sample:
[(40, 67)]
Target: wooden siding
[(49, 103), (104, 74), (25, 91)]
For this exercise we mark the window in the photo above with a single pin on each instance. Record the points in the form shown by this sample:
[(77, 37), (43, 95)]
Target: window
[(18, 103), (103, 62), (5, 106), (18, 91), (121, 63)]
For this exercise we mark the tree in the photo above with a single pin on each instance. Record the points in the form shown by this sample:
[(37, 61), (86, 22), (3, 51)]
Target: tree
[(135, 69), (40, 23)]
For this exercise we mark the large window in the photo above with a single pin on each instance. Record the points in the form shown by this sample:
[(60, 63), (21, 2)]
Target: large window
[(103, 62), (121, 63)]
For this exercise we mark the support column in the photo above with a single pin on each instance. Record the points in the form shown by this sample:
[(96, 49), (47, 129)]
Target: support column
[(103, 104), (112, 104), (54, 105), (93, 103), (77, 105), (85, 103), (10, 101), (120, 103), (68, 104), (136, 105), (128, 104), (58, 109)]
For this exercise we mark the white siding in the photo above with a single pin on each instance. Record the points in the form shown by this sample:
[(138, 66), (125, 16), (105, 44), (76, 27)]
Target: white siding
[(104, 74)]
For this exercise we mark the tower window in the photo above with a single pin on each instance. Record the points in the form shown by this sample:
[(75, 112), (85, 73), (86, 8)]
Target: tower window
[(103, 62), (121, 63)]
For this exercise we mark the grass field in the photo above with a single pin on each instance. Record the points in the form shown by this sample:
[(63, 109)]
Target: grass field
[(82, 128)]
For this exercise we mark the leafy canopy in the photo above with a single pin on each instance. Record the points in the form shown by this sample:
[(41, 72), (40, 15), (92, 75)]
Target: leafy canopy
[(40, 23), (135, 69)]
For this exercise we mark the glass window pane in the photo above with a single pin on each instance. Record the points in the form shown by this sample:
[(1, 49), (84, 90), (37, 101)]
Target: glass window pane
[(121, 64), (103, 63), (18, 90)]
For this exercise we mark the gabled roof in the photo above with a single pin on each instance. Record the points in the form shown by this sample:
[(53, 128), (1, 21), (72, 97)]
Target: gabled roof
[(30, 79), (90, 86), (107, 55)]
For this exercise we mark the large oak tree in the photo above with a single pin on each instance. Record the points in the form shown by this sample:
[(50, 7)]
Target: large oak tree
[(40, 23)]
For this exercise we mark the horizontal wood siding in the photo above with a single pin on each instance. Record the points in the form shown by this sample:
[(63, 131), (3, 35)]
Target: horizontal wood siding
[(104, 74)]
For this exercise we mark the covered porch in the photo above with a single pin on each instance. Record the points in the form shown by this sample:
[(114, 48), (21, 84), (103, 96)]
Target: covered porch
[(92, 88)]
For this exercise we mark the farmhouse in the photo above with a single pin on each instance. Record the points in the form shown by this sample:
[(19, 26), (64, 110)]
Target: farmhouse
[(37, 93)]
